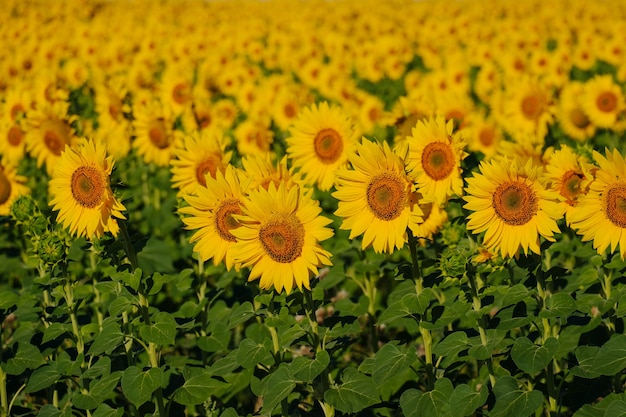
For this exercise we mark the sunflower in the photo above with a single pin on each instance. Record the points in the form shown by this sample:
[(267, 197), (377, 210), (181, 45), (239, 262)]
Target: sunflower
[(527, 109), (254, 135), (600, 215), (321, 139), (434, 216), (603, 101), (80, 191), (568, 174), (201, 153), (49, 132), (11, 187), (571, 114), (260, 171), (375, 198), (212, 210), (509, 202), (12, 141), (154, 137), (434, 159), (278, 238)]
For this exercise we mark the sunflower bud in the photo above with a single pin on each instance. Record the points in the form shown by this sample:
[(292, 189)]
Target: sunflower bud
[(52, 248)]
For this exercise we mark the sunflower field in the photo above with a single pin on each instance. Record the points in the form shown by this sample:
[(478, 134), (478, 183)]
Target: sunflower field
[(313, 208)]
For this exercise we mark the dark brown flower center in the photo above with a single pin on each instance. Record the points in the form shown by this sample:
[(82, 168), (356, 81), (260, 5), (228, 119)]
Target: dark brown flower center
[(438, 160), (515, 203), (578, 118), (486, 136), (181, 93), (224, 220), (88, 186), (158, 134), (290, 111), (282, 238), (328, 145), (532, 107), (606, 101), (387, 196), (5, 187), (15, 136), (615, 205), (208, 166), (570, 186)]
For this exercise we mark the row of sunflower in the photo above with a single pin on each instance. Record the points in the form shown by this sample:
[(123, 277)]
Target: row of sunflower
[(284, 126)]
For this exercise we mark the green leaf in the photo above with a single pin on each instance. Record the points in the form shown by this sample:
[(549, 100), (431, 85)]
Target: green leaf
[(8, 299), (101, 367), (42, 378), (120, 304), (53, 331), (197, 389), (620, 311), (49, 411), (139, 385), (532, 358), (391, 362), (452, 344), (513, 402), (514, 295), (560, 304), (586, 355), (288, 335), (464, 400), (280, 384), (26, 357), (415, 403), (217, 340), (611, 358), (616, 409), (306, 369), (104, 410), (108, 339), (98, 392), (156, 255), (251, 353), (157, 281), (241, 314), (356, 392), (450, 313), (162, 331), (600, 408), (229, 412), (132, 279)]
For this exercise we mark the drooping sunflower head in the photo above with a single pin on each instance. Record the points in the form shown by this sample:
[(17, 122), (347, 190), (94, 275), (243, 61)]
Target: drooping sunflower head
[(434, 159), (321, 139), (279, 237), (80, 191)]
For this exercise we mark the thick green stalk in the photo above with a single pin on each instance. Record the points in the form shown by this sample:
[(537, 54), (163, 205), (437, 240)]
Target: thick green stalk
[(426, 335), (4, 399), (482, 322), (542, 290), (144, 308)]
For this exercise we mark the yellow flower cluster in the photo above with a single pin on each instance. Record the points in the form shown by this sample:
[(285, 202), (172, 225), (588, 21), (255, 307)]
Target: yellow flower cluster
[(254, 105)]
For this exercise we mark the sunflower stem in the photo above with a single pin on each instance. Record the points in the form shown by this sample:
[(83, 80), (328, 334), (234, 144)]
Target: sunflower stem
[(427, 337), (310, 312), (68, 292), (542, 290), (4, 399), (128, 245), (482, 322)]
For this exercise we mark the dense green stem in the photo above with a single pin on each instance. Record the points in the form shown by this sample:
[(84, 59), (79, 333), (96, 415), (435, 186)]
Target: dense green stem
[(542, 290), (427, 338), (482, 321), (4, 399)]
